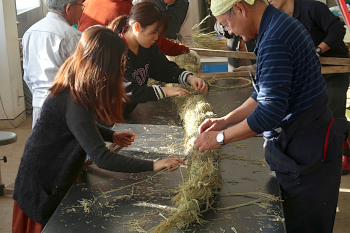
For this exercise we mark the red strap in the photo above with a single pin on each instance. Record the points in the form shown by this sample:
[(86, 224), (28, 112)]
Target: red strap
[(346, 144), (344, 10), (122, 36), (327, 137)]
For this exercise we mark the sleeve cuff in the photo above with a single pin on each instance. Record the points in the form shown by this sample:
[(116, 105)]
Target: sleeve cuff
[(254, 124), (254, 96), (183, 78), (158, 91), (107, 134)]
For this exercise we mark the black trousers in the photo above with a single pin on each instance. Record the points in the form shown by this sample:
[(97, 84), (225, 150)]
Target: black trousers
[(337, 87), (310, 200), (306, 157)]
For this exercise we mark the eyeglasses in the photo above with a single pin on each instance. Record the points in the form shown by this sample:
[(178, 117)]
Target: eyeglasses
[(228, 16), (82, 5)]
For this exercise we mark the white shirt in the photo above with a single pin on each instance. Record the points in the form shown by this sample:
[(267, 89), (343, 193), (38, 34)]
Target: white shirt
[(46, 46)]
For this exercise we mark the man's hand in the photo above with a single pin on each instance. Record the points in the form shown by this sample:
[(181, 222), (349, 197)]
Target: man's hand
[(244, 68), (172, 164), (212, 124), (198, 84), (124, 138), (175, 91), (207, 141)]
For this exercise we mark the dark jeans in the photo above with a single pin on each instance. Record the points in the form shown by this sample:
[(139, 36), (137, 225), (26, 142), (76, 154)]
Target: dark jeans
[(337, 87)]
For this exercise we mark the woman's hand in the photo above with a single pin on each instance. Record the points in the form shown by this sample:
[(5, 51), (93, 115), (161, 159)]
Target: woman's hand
[(172, 164), (175, 91), (124, 138), (198, 83)]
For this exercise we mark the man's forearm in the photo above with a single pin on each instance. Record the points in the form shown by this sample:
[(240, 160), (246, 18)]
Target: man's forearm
[(324, 47), (238, 132), (242, 112)]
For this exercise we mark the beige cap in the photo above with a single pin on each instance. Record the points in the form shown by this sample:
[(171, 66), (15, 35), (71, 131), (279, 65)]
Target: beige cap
[(219, 7)]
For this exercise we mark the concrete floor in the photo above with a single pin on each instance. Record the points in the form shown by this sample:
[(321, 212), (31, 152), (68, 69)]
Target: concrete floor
[(15, 150)]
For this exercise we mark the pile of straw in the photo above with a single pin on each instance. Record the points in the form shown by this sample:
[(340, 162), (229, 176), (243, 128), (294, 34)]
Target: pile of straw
[(186, 61), (196, 194), (208, 40)]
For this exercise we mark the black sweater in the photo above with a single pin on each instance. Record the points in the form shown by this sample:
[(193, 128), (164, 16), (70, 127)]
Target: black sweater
[(150, 64), (54, 154), (322, 25)]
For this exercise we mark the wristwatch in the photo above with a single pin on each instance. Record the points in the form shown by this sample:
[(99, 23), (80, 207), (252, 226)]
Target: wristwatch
[(318, 51), (220, 137)]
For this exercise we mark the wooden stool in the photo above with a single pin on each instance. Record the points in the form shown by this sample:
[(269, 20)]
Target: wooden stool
[(5, 139)]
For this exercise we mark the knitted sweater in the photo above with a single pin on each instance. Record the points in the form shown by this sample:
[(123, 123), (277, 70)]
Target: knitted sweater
[(55, 152)]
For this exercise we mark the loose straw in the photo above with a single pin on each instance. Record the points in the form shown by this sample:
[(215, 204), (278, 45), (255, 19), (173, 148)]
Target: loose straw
[(214, 79)]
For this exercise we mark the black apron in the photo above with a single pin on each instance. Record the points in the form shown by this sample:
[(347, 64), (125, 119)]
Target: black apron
[(306, 156)]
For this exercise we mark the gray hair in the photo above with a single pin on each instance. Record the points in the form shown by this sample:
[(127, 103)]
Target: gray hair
[(134, 2), (58, 5)]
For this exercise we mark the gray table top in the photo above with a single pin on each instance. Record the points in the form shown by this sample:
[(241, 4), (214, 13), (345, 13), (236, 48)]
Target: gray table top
[(146, 204)]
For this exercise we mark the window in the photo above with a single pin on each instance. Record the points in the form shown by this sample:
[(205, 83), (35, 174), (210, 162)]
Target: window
[(26, 5)]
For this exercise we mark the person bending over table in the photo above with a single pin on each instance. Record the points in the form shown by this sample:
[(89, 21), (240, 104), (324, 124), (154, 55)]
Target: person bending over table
[(140, 30), (102, 12), (327, 33), (303, 142), (88, 87)]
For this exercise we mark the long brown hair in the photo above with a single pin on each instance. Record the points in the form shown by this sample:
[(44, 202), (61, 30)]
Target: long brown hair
[(146, 13), (94, 74)]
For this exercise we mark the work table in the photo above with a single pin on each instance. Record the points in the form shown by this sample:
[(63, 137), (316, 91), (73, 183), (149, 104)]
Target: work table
[(146, 204)]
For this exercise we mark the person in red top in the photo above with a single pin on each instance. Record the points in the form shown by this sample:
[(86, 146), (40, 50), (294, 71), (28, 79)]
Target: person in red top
[(104, 11)]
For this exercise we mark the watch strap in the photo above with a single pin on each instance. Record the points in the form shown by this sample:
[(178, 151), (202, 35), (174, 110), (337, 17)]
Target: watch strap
[(223, 137)]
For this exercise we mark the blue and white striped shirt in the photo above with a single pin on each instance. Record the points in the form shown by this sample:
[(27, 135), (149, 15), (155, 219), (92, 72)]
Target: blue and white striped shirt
[(288, 77)]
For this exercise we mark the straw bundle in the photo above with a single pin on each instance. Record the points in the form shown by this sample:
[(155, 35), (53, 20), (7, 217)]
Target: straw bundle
[(196, 194), (203, 169), (208, 40), (186, 61)]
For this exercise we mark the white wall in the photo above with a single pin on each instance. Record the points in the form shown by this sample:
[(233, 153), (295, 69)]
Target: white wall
[(11, 87), (27, 19), (197, 12)]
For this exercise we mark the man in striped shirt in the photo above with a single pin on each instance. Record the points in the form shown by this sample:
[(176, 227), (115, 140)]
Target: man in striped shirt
[(303, 142)]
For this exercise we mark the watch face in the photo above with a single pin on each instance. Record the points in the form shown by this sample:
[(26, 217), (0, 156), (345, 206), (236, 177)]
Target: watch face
[(220, 138)]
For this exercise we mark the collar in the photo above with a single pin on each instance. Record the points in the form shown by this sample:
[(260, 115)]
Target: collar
[(55, 15), (268, 13), (123, 38), (297, 9), (169, 5)]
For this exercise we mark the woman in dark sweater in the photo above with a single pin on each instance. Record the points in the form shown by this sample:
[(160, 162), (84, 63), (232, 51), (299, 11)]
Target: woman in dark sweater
[(87, 88), (140, 30)]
